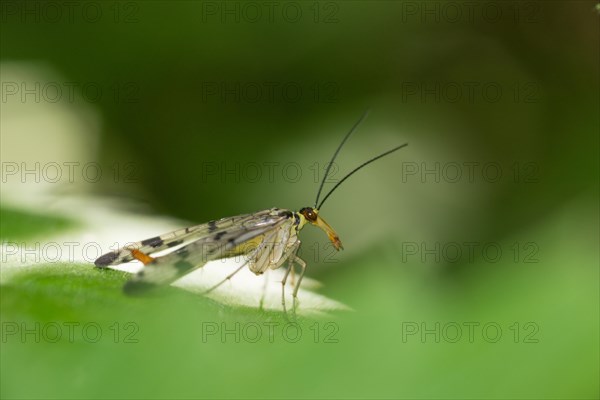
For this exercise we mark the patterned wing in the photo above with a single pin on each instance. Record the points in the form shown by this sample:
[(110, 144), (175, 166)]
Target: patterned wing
[(170, 240), (193, 250)]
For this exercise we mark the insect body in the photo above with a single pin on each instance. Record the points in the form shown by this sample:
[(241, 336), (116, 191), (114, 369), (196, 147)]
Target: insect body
[(265, 240)]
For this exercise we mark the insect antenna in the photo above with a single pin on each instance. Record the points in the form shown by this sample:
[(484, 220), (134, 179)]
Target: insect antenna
[(336, 153), (358, 168)]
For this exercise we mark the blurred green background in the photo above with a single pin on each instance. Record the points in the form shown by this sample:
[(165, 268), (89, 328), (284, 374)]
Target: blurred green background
[(191, 100)]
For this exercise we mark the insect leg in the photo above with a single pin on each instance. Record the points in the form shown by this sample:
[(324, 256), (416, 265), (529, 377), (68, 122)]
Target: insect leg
[(292, 254), (287, 272), (293, 276), (250, 257), (227, 278), (292, 257), (264, 293), (302, 265)]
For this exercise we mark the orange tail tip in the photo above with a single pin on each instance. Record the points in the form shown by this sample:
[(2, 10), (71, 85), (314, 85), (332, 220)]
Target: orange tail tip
[(144, 258)]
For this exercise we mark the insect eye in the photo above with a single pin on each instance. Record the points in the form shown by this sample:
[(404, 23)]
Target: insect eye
[(309, 214)]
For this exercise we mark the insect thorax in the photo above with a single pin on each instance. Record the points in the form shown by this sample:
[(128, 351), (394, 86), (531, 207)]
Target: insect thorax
[(271, 250)]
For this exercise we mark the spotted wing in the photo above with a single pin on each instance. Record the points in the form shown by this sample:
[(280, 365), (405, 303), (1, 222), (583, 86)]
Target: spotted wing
[(194, 249), (171, 240)]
